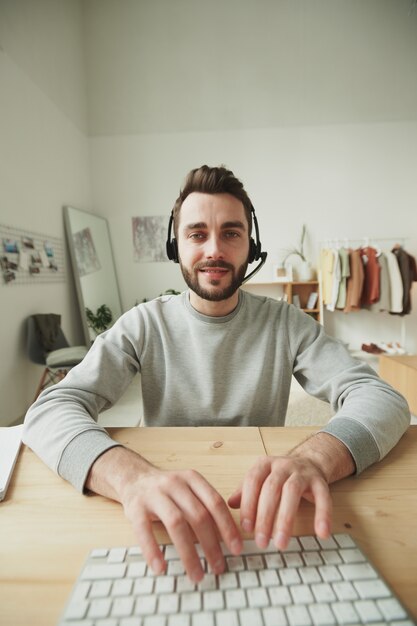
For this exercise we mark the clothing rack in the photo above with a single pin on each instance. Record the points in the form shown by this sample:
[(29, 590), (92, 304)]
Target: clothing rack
[(362, 242)]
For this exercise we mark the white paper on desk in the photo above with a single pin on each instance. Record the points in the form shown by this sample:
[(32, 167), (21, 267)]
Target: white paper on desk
[(10, 440)]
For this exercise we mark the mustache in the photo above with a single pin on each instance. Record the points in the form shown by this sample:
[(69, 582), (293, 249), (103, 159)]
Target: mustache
[(223, 264)]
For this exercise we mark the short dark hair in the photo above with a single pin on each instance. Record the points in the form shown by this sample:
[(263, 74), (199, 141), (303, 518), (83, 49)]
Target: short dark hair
[(213, 180)]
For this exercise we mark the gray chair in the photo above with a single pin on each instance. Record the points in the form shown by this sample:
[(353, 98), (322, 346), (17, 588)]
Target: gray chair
[(58, 358)]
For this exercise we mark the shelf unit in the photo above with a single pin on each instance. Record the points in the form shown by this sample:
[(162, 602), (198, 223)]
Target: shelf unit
[(287, 291)]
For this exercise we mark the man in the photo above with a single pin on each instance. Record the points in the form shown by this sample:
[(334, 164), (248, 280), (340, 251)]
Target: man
[(215, 355)]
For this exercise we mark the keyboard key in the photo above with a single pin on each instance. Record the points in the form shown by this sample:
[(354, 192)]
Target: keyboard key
[(357, 571), (209, 583), (168, 603), (344, 540), (312, 558), (145, 605), (368, 589), (321, 614), (181, 619), (368, 611), (122, 587), (280, 596), (289, 576), (298, 616), (164, 584), (274, 561), (116, 555), (81, 591), (203, 619), (293, 546), (345, 612), (274, 616), (175, 567), (136, 569), (329, 573), (352, 555), (309, 575), (99, 553), (391, 609), (99, 608), (331, 557), (327, 544), (154, 620), (103, 571), (100, 589), (143, 586), (122, 607), (323, 592), (213, 600), (257, 597), (170, 552), (268, 578), (191, 602), (235, 563), (345, 591), (301, 594), (293, 559), (185, 584), (254, 562), (250, 617), (76, 610), (236, 599), (228, 580), (309, 543), (227, 617), (126, 621), (248, 579)]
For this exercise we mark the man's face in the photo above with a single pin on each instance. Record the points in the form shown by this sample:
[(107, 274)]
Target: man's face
[(213, 244)]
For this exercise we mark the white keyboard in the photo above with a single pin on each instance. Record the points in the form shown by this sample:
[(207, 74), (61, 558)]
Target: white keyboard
[(313, 582)]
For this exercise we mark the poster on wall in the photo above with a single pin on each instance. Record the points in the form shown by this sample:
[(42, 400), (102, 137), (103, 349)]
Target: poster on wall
[(149, 237), (85, 252), (27, 257)]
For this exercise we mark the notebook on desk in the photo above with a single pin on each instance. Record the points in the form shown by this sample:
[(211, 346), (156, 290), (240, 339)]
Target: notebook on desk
[(10, 440)]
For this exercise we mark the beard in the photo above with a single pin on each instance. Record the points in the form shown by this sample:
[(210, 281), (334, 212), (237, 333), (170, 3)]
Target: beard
[(214, 295)]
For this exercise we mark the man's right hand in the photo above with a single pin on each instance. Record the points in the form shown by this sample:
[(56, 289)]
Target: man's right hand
[(183, 501)]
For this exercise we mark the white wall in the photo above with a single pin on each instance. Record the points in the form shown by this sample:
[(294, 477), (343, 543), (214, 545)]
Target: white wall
[(44, 164), (342, 181), (313, 105)]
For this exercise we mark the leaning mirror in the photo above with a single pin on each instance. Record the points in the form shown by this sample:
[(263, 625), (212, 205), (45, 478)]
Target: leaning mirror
[(95, 278)]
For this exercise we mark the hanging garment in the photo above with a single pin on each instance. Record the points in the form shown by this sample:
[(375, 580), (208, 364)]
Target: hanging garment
[(408, 271), (396, 283), (355, 282), (336, 275), (384, 301), (326, 264), (344, 275), (370, 293)]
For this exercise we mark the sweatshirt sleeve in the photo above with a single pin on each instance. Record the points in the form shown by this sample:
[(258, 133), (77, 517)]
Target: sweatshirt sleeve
[(370, 416), (61, 426)]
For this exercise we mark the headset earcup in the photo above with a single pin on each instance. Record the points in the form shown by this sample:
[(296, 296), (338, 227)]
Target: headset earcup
[(174, 250), (253, 251)]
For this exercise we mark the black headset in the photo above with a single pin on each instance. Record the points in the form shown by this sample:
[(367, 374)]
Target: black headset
[(255, 246)]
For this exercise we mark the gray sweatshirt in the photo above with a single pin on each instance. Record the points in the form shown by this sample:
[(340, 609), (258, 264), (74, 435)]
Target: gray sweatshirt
[(213, 371)]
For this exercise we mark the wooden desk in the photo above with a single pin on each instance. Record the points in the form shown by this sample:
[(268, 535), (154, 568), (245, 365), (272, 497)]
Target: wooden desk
[(47, 528), (401, 373)]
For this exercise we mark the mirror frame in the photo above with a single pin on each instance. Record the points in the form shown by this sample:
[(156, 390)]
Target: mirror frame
[(75, 272)]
